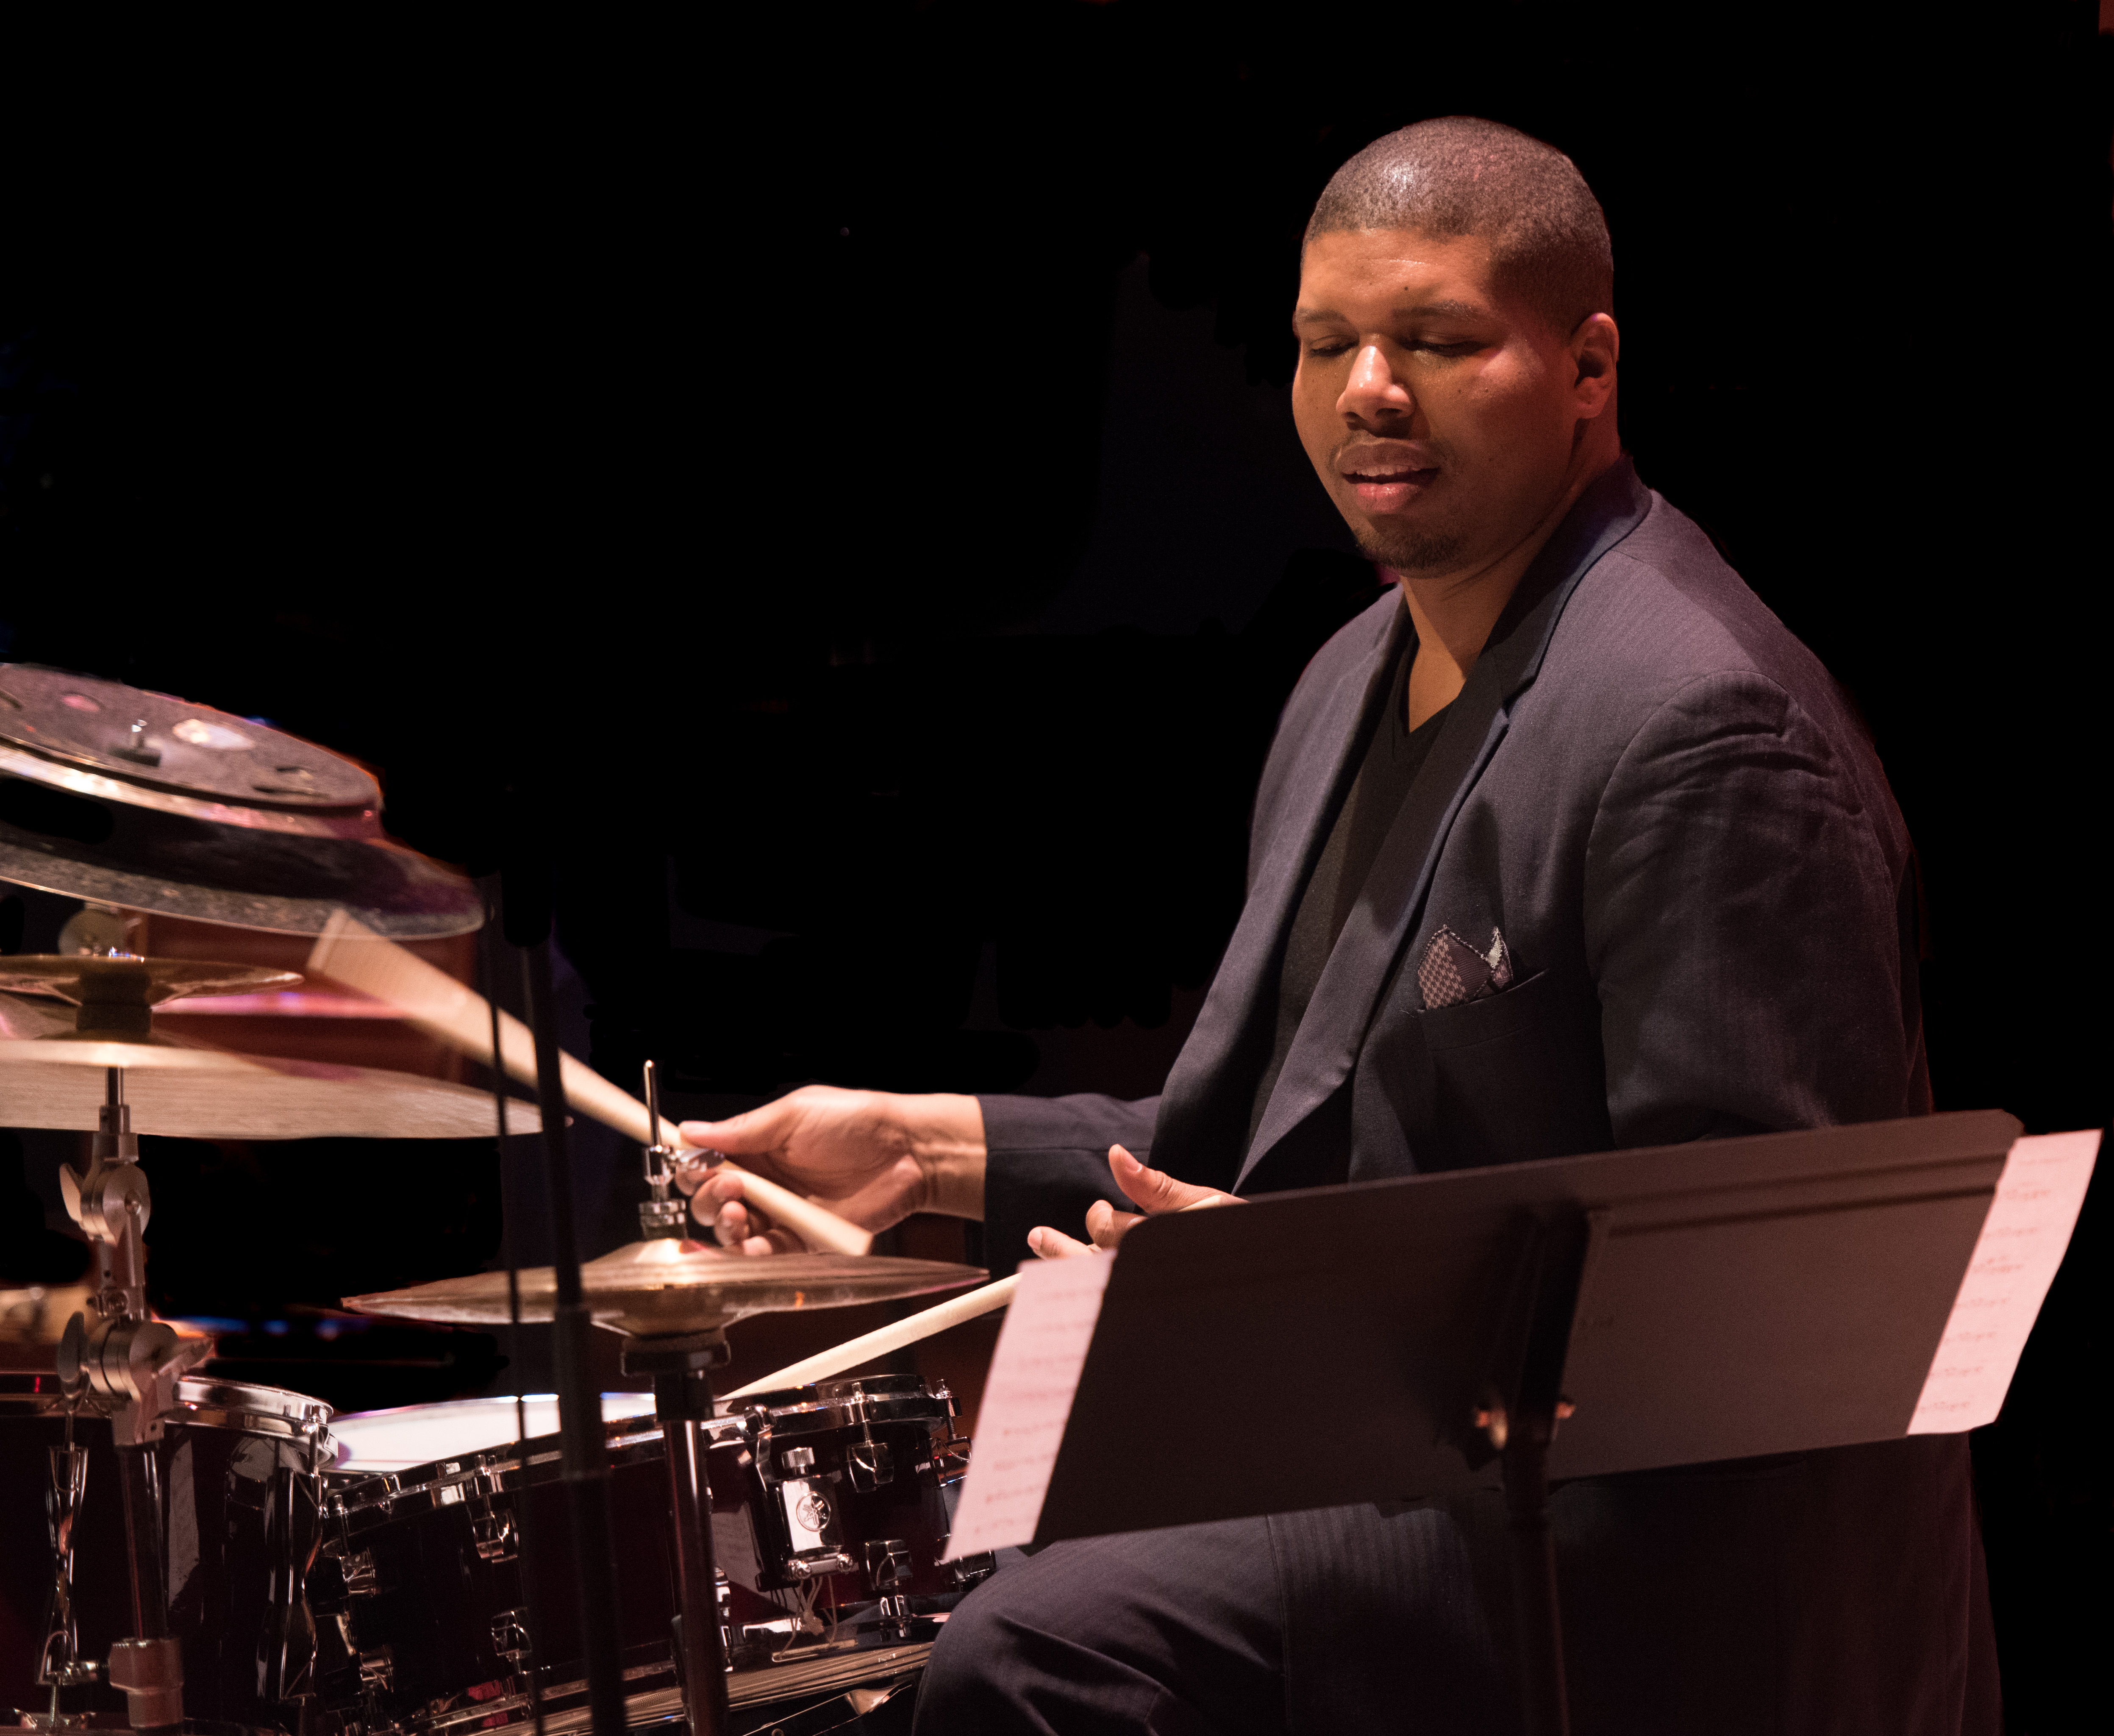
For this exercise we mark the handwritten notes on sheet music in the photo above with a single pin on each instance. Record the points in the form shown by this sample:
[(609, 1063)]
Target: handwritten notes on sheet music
[(2015, 1260), (1027, 1400)]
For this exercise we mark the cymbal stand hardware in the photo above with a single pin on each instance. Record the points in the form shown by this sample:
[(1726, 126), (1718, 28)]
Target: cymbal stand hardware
[(59, 1664), (132, 1363), (660, 1215), (681, 1367)]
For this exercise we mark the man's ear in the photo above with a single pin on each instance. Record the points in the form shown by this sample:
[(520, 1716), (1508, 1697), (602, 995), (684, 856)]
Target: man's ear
[(1595, 346)]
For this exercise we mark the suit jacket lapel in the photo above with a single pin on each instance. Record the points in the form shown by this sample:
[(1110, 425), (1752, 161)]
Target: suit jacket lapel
[(1204, 1110), (1381, 921)]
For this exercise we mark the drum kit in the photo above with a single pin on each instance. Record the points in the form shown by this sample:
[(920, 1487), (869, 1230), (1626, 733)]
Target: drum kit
[(223, 1557)]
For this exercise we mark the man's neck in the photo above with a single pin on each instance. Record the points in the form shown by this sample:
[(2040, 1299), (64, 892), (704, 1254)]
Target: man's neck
[(1454, 612)]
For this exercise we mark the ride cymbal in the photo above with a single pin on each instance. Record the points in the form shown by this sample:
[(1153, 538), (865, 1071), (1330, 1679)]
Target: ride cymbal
[(655, 1289)]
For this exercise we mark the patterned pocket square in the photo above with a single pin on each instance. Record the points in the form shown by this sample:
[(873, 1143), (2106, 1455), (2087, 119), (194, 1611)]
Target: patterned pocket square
[(1452, 971)]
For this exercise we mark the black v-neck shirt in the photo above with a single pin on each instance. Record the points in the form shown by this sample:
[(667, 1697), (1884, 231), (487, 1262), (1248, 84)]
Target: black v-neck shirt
[(1393, 754)]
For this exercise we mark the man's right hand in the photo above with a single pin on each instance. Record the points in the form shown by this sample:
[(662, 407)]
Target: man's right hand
[(872, 1157)]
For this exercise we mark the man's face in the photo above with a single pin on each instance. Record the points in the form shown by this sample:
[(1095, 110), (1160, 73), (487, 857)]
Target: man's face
[(1441, 420)]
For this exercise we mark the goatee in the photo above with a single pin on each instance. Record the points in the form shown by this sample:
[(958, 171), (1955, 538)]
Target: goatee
[(1412, 551)]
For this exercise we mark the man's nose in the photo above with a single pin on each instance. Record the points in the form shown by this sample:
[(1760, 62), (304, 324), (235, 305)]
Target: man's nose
[(1373, 393)]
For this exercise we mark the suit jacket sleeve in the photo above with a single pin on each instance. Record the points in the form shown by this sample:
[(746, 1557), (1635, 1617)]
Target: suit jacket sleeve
[(1048, 1161), (1745, 888)]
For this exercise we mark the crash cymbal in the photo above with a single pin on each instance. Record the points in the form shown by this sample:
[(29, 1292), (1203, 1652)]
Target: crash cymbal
[(663, 1287), (122, 796), (57, 1080)]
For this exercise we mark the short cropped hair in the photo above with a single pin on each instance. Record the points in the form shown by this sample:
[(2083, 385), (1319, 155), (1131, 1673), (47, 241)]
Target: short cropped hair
[(1548, 235)]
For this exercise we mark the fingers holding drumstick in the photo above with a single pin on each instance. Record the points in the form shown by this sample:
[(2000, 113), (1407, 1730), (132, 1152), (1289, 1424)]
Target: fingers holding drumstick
[(1153, 1191)]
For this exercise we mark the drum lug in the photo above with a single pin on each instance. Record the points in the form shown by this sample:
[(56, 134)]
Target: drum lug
[(888, 1564), (970, 1570), (510, 1635), (869, 1464), (357, 1566), (493, 1534), (377, 1670)]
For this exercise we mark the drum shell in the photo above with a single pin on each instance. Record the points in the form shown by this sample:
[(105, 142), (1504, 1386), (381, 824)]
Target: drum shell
[(240, 1474), (424, 1582), (750, 1482)]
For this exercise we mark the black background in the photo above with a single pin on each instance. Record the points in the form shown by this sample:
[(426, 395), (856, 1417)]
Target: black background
[(824, 486)]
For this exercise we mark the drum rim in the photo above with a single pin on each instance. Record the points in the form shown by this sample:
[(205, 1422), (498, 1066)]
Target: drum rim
[(501, 1467), (203, 1401), (350, 1477)]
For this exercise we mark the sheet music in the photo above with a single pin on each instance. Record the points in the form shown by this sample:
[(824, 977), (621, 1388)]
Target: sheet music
[(1027, 1399), (2037, 1201)]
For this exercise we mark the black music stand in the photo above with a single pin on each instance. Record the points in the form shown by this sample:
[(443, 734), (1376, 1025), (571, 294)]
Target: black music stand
[(1670, 1306)]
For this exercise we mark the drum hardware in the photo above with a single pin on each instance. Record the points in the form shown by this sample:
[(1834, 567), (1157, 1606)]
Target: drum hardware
[(681, 1371), (135, 1362), (134, 1373), (658, 1215), (357, 1568), (59, 1665), (237, 1469), (493, 1536)]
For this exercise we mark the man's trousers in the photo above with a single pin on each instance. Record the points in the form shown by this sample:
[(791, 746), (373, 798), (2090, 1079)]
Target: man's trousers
[(1836, 1592)]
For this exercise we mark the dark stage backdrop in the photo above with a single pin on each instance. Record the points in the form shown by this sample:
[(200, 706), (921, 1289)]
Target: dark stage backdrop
[(825, 489)]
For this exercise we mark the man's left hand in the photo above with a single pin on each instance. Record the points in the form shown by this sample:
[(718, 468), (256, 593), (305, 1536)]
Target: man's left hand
[(1151, 1191)]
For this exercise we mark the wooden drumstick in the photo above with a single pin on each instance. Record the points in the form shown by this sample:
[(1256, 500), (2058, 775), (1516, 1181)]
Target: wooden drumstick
[(880, 1342), (869, 1345), (350, 952)]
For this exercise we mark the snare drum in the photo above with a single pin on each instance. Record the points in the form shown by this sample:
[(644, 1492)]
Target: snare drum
[(829, 1518), (240, 1472)]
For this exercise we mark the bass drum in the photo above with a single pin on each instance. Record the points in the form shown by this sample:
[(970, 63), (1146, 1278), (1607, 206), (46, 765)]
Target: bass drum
[(239, 1470), (445, 1589)]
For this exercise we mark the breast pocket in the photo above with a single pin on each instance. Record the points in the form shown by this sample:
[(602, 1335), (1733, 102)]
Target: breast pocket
[(1515, 1076)]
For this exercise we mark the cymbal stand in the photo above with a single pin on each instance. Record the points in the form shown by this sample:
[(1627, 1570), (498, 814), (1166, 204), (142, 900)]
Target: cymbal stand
[(133, 1363), (681, 1368)]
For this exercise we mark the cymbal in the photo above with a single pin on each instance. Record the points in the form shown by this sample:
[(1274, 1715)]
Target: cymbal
[(124, 796), (661, 1287), (170, 754), (146, 982), (23, 1018), (56, 1079)]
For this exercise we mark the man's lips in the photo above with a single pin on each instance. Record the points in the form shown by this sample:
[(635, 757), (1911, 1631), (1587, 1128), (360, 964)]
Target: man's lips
[(1388, 480), (1390, 490)]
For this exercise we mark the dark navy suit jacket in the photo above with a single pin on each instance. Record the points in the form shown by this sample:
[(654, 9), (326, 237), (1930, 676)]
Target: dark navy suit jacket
[(1670, 812), (1678, 822)]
